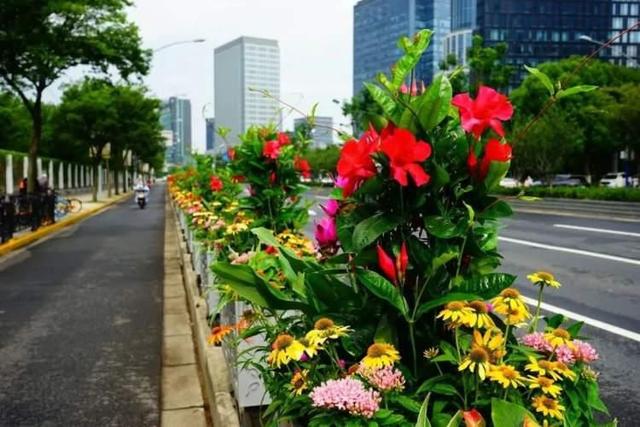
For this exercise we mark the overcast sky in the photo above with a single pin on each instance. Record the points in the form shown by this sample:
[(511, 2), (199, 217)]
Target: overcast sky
[(316, 45)]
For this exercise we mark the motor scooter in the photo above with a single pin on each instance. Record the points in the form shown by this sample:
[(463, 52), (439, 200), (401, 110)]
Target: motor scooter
[(141, 197)]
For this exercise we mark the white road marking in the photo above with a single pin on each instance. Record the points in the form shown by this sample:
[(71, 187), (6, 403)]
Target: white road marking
[(587, 320), (597, 230), (571, 250)]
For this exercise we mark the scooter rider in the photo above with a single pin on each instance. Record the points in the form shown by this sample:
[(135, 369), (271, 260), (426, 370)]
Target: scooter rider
[(141, 187)]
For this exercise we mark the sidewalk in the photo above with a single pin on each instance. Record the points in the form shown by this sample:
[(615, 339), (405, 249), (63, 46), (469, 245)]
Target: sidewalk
[(89, 208)]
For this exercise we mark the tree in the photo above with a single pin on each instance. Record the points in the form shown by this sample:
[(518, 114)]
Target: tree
[(324, 159), (457, 76), (487, 65), (598, 116), (363, 110), (41, 39), (95, 112)]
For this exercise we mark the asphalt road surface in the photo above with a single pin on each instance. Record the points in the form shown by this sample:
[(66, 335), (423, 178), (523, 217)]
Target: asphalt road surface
[(80, 323), (598, 263)]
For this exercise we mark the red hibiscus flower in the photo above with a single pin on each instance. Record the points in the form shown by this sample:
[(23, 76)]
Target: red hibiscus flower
[(405, 154), (215, 183), (302, 165), (494, 151), (355, 164), (283, 139), (394, 270), (489, 109), (271, 150)]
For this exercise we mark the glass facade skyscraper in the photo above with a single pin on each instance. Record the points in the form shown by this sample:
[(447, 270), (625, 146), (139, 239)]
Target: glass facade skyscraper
[(544, 30), (210, 133), (378, 24), (175, 116)]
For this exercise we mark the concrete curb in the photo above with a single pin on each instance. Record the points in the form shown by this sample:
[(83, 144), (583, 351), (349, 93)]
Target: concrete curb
[(217, 384), (27, 239)]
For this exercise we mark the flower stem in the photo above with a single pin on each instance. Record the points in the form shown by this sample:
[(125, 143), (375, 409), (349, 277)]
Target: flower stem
[(413, 348), (534, 325), (457, 345)]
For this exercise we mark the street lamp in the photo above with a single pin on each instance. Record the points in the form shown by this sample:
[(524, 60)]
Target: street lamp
[(589, 39), (177, 43)]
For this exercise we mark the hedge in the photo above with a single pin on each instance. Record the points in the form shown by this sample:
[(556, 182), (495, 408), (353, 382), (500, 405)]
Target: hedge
[(591, 193)]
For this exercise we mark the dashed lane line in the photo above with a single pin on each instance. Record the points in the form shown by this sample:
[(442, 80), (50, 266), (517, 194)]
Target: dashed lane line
[(571, 250), (597, 230)]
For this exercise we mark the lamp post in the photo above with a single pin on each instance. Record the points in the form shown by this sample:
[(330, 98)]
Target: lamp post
[(178, 43), (589, 39)]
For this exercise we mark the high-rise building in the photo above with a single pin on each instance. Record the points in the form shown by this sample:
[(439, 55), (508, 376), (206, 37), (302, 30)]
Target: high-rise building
[(537, 31), (211, 134), (243, 68), (377, 26), (175, 116), (322, 132)]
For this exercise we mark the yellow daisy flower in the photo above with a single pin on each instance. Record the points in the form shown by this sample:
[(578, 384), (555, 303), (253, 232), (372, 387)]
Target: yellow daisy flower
[(509, 298), (218, 333), (542, 367), (325, 329), (455, 313), (506, 375), (492, 341), (380, 355), (544, 278), (547, 385), (516, 316), (285, 349), (310, 348), (548, 406), (476, 361), (564, 370), (236, 228), (479, 316), (558, 337), (299, 381)]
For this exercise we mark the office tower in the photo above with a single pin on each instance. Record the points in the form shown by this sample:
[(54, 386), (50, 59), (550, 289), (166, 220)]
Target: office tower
[(211, 134), (175, 116), (321, 134), (243, 68), (378, 24), (537, 31)]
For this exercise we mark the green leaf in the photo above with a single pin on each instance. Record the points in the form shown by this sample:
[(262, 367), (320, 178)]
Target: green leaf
[(575, 90), (593, 398), (407, 403), (574, 329), (442, 227), (367, 231), (497, 171), (487, 286), (498, 209), (383, 289), (457, 417), (423, 420), (385, 332), (435, 102), (242, 280), (383, 99), (454, 296), (507, 414), (544, 79), (413, 52), (265, 236), (439, 176)]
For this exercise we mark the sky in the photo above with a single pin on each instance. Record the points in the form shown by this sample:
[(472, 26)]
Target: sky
[(316, 49)]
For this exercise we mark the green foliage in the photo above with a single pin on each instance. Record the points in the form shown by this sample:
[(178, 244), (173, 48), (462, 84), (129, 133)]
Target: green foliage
[(487, 65), (323, 160), (589, 193)]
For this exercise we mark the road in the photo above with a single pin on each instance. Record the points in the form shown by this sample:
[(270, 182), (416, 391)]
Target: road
[(598, 263), (80, 323)]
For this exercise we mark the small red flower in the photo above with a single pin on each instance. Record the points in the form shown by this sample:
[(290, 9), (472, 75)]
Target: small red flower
[(238, 179), (405, 154), (355, 164), (394, 269), (271, 150), (231, 153), (473, 418), (283, 139), (302, 165), (271, 250), (215, 183), (273, 177), (494, 151), (489, 109)]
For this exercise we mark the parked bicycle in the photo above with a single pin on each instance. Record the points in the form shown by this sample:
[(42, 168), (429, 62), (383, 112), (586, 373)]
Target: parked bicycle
[(66, 206)]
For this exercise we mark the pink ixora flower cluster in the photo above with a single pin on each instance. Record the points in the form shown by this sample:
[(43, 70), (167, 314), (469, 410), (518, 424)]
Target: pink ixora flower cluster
[(346, 394), (384, 379), (576, 351)]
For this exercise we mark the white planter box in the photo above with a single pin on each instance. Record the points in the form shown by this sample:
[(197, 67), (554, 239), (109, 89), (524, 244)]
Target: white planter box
[(247, 385)]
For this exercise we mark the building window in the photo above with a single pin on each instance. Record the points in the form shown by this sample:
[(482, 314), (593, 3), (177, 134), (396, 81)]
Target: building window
[(617, 23), (624, 9)]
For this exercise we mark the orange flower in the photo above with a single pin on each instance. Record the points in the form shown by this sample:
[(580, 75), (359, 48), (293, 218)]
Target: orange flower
[(218, 333)]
